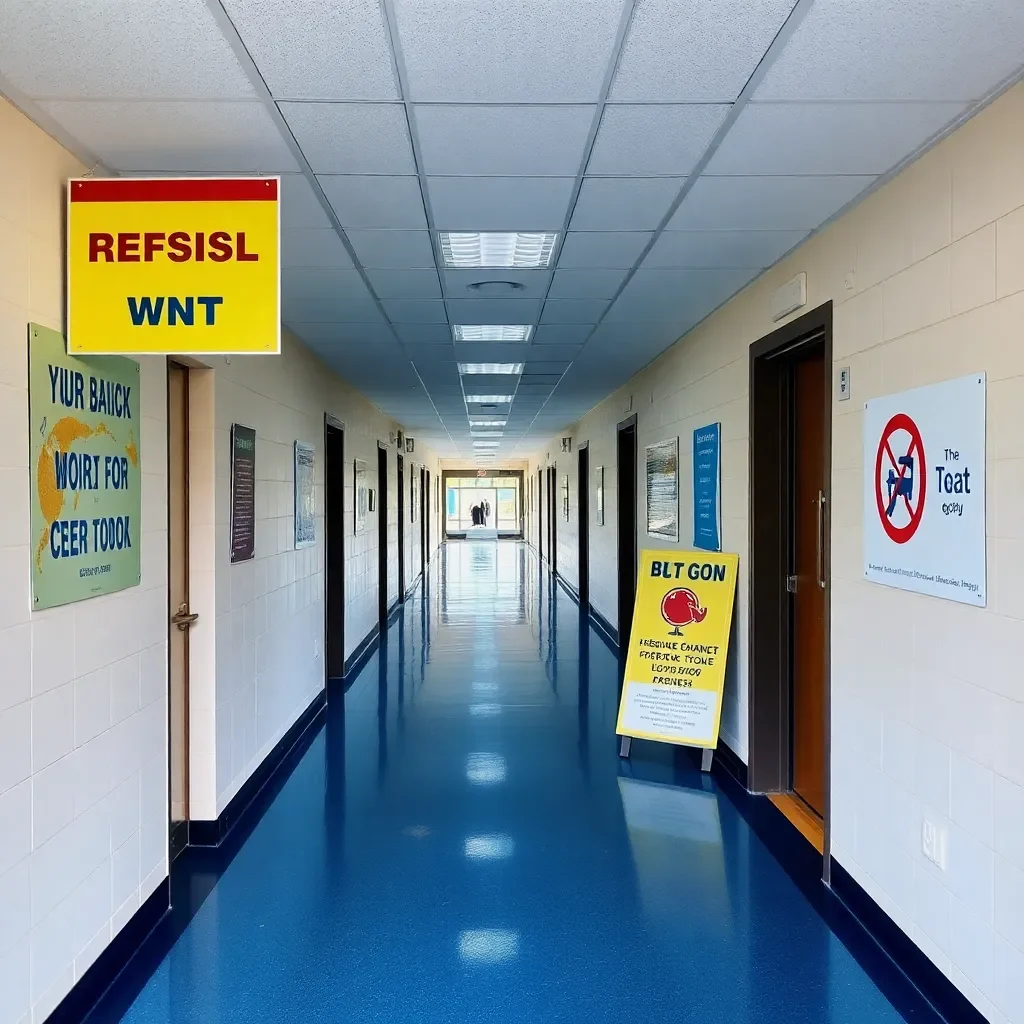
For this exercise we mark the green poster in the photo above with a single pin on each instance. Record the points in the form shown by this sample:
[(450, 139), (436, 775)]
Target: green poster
[(86, 474)]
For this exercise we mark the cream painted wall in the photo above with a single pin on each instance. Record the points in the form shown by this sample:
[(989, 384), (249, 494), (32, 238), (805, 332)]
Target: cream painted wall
[(257, 660), (936, 292), (83, 784), (83, 706)]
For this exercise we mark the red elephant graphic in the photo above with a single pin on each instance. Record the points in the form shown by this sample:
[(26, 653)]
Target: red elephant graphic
[(681, 607)]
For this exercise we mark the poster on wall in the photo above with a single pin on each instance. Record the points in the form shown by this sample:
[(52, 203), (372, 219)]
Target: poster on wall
[(361, 504), (924, 490), (243, 493), (305, 494), (565, 498), (707, 487), (86, 475), (663, 489), (678, 646), (599, 496)]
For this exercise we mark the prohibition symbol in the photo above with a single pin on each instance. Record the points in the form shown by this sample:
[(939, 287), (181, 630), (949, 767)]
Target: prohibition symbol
[(900, 479)]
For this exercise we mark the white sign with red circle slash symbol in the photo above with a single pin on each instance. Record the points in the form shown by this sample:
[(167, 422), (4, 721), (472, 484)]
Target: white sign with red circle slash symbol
[(924, 490)]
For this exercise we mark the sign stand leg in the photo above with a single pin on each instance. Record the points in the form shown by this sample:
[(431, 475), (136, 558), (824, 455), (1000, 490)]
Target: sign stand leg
[(705, 759), (625, 742)]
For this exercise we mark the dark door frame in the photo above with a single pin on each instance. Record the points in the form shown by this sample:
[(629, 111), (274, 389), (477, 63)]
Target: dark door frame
[(424, 520), (583, 525), (401, 528), (770, 515), (334, 547), (382, 536), (627, 546), (540, 513), (553, 514)]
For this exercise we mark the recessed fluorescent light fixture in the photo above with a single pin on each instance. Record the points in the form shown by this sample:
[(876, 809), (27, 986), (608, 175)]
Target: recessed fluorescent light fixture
[(516, 249), (502, 368), (485, 433), (489, 399), (486, 444), (473, 424), (492, 332)]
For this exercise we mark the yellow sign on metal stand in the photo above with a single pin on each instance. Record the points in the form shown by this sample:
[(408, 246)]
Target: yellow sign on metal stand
[(675, 666)]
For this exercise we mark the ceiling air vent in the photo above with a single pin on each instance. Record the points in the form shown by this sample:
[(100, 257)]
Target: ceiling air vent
[(495, 287)]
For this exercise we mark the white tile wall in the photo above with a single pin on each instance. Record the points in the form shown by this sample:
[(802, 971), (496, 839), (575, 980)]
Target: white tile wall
[(83, 710), (81, 720), (937, 264)]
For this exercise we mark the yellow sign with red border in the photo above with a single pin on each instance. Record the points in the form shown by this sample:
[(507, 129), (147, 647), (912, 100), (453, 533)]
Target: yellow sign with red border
[(675, 666), (173, 265)]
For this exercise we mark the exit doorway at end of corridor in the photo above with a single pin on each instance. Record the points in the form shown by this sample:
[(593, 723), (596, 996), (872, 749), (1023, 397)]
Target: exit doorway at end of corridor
[(499, 491), (790, 470)]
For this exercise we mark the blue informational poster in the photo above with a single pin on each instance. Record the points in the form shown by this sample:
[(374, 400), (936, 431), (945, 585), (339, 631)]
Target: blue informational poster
[(707, 523)]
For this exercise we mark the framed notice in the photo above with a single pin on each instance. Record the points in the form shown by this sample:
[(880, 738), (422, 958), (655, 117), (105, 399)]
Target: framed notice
[(86, 473), (305, 494), (663, 489), (243, 493), (565, 498), (361, 490), (599, 496)]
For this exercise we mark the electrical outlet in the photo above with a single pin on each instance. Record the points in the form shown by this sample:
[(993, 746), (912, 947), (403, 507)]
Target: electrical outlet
[(933, 843), (850, 281)]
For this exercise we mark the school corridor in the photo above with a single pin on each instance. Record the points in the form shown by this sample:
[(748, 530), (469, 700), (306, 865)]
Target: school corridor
[(460, 842)]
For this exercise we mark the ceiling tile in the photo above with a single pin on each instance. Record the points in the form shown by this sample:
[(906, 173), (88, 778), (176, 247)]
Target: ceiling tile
[(458, 284), (405, 284), (493, 311), (586, 284), (561, 334), (328, 306), (546, 366), (345, 335), (490, 140), (721, 248), (393, 250), (154, 135), (623, 204), (375, 200), (693, 50), (352, 138), (555, 350), (573, 311), (58, 49), (499, 204), (415, 311), (863, 138), (766, 203), (530, 379), (654, 139), (602, 249), (482, 52), (898, 51), (313, 247), (490, 352), (300, 207), (424, 334), (681, 297), (306, 49)]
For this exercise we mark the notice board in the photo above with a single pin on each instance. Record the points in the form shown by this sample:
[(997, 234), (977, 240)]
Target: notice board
[(243, 493), (86, 472)]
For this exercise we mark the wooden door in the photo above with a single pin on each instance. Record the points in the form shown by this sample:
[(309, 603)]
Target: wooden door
[(809, 405), (334, 540), (180, 621), (382, 537)]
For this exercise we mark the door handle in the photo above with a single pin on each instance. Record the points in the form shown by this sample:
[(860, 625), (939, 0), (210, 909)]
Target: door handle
[(183, 618), (821, 539)]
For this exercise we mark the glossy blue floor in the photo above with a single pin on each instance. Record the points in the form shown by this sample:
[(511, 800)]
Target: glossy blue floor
[(460, 842)]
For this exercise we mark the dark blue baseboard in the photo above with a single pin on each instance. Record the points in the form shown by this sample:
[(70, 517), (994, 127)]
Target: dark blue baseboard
[(950, 1003), (362, 654), (568, 588), (98, 979), (605, 630), (213, 833)]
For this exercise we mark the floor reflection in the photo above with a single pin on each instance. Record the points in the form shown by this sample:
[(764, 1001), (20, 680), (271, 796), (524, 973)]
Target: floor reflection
[(462, 843)]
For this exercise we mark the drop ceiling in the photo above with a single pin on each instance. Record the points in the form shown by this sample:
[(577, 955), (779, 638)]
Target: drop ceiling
[(676, 147)]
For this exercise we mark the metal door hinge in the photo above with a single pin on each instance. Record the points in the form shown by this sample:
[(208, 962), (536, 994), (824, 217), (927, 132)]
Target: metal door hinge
[(183, 618)]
